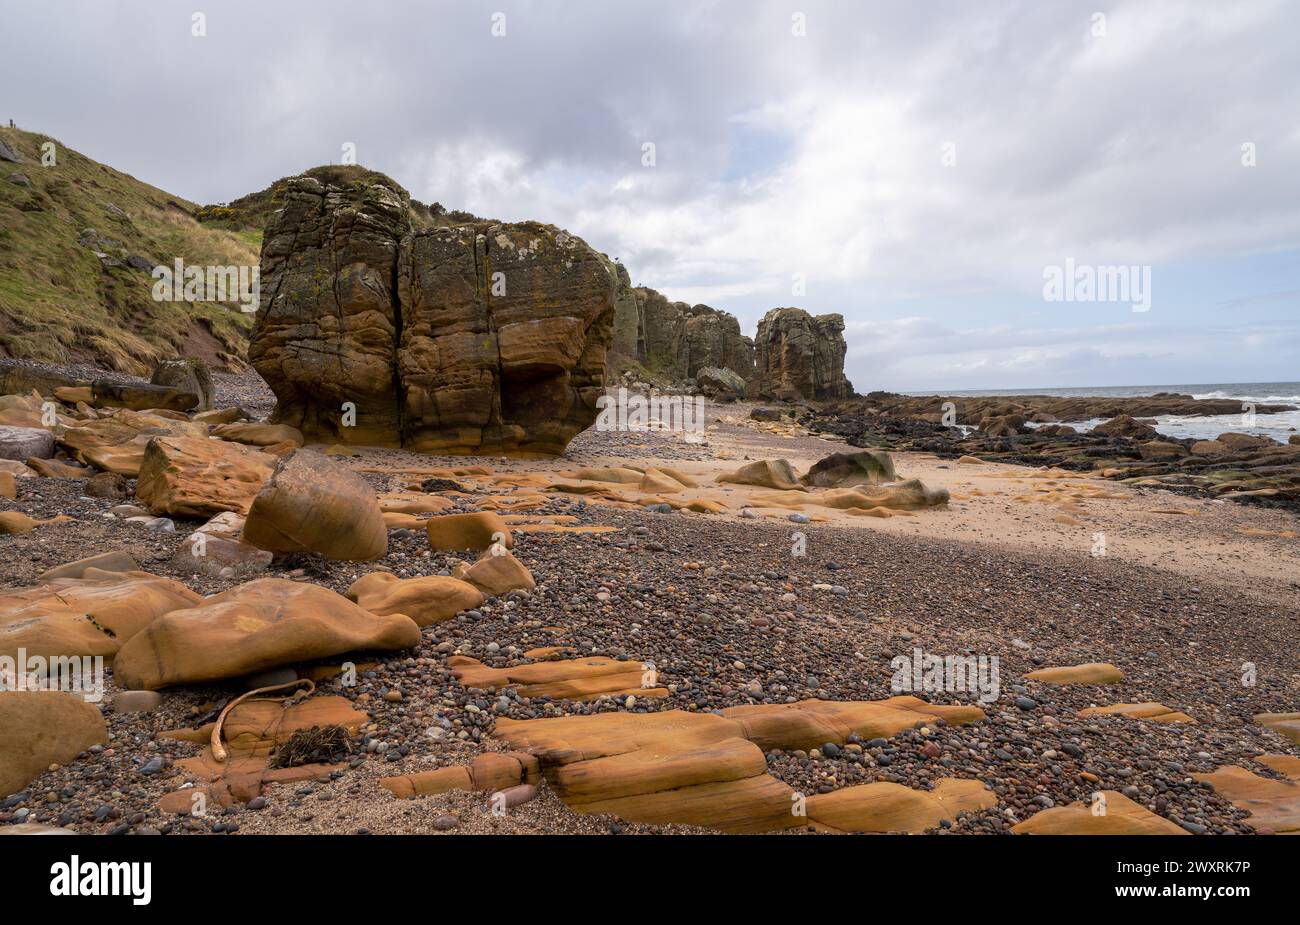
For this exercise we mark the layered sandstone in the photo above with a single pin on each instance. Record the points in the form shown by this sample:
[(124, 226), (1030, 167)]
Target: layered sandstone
[(470, 338), (799, 356)]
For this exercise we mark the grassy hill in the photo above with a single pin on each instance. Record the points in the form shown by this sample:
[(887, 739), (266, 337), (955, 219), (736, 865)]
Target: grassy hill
[(62, 302)]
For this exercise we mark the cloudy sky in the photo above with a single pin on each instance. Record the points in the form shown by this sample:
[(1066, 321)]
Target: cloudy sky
[(915, 166)]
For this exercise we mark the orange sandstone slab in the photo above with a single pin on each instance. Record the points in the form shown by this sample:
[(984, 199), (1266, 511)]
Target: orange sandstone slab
[(1272, 804), (573, 679), (888, 807), (1156, 712), (1121, 816), (1090, 673)]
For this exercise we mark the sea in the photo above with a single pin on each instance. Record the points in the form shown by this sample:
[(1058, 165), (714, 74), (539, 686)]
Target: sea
[(1203, 427)]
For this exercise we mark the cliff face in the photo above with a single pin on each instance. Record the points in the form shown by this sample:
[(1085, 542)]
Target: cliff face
[(799, 356), (674, 338), (454, 339)]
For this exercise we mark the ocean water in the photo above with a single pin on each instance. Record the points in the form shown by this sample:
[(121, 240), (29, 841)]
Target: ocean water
[(1278, 426)]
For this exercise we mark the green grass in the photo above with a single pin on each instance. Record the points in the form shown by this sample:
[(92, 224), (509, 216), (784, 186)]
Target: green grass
[(59, 304)]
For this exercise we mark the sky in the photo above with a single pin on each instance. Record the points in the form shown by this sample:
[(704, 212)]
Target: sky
[(918, 167)]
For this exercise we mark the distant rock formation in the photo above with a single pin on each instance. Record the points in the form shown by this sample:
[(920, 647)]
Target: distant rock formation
[(676, 339), (798, 356), (459, 338)]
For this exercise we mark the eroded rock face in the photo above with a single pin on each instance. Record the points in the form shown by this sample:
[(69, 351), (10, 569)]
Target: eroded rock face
[(458, 339), (674, 338), (798, 356)]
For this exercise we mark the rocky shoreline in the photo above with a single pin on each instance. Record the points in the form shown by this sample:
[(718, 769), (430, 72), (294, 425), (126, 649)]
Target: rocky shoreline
[(1026, 430), (711, 595)]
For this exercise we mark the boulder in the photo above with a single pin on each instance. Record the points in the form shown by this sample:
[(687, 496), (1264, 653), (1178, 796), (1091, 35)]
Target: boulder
[(454, 339), (215, 555), (90, 614), (141, 397), (255, 626), (1091, 673), (22, 443), (720, 384), (1161, 449), (1126, 426), (569, 679), (199, 477), (264, 435), (797, 356), (479, 530), (1209, 448), (188, 375), (314, 504), (426, 600), (884, 806), (41, 728), (497, 573), (118, 560), (1237, 442), (765, 473), (866, 467)]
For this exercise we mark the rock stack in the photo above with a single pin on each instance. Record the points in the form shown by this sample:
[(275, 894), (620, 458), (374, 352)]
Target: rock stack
[(469, 338)]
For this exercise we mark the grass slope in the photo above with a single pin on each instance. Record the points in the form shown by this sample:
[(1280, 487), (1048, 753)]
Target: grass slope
[(61, 303)]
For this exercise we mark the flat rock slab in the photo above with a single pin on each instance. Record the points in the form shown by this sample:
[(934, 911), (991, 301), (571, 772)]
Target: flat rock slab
[(253, 627), (1091, 673), (1121, 816), (1273, 805), (888, 807), (701, 768), (1286, 724), (93, 614), (572, 679), (1156, 712)]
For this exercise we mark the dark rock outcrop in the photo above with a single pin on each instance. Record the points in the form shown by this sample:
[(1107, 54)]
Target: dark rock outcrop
[(481, 337), (676, 339), (798, 356)]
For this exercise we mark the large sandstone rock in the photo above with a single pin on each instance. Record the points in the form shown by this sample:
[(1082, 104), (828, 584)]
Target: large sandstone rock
[(186, 375), (480, 337), (117, 443), (765, 473), (22, 443), (865, 467), (314, 504), (798, 356), (91, 614), (199, 476), (574, 679), (426, 600), (478, 530), (40, 728), (253, 627)]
